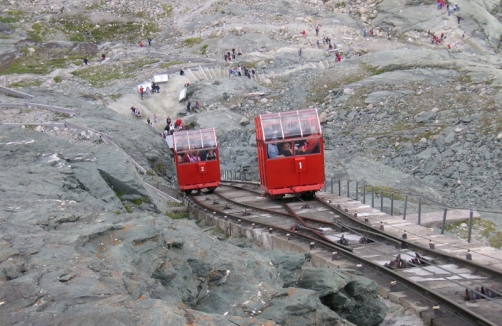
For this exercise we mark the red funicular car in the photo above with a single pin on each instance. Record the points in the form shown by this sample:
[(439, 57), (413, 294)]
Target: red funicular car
[(197, 159), (290, 153)]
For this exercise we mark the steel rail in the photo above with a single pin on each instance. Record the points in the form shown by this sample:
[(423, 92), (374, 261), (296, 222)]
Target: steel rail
[(360, 232), (392, 240), (268, 225), (434, 297), (297, 217), (408, 244)]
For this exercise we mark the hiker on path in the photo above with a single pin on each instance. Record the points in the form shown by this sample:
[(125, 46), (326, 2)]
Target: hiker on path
[(86, 61), (141, 91), (189, 106), (300, 52)]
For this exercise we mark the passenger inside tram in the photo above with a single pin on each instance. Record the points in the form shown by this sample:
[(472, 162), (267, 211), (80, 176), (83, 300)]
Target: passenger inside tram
[(286, 149), (211, 155)]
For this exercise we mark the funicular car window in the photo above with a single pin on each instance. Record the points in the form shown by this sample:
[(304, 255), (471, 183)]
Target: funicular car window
[(208, 138), (272, 129), (292, 133), (291, 125), (181, 142), (196, 145)]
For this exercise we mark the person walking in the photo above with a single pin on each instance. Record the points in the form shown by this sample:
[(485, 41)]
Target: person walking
[(149, 42), (189, 106), (86, 61), (318, 44), (300, 52), (317, 31), (148, 92), (141, 91)]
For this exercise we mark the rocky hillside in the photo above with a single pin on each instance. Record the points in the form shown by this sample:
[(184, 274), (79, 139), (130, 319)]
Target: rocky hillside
[(84, 237)]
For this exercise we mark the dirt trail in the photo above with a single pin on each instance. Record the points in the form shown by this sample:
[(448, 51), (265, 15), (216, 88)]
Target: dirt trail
[(163, 104)]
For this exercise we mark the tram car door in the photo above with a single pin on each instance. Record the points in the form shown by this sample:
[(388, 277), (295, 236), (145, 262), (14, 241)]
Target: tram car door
[(196, 158), (290, 153)]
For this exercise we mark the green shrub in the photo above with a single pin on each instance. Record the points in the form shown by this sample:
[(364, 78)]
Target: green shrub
[(58, 79), (165, 65), (178, 215), (100, 74), (80, 29), (192, 41), (10, 16), (203, 49), (37, 32)]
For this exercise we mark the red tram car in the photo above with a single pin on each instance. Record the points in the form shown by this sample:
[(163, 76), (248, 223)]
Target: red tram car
[(196, 158), (290, 153)]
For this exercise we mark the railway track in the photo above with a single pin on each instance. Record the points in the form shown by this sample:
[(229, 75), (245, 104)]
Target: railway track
[(444, 289)]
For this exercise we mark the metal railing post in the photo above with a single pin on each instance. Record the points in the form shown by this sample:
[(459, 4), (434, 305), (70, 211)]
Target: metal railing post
[(392, 204), (332, 185), (444, 220), (419, 210), (339, 187), (381, 201), (364, 192), (357, 190), (348, 188), (405, 206), (372, 197), (470, 227)]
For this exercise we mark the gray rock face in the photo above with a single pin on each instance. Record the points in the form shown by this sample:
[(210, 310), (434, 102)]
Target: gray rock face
[(82, 239), (352, 296)]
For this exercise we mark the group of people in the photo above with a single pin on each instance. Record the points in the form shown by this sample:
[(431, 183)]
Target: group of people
[(286, 149), (196, 107), (229, 56), (86, 61), (150, 123), (372, 32), (195, 155), (136, 112), (169, 129), (241, 71), (148, 91)]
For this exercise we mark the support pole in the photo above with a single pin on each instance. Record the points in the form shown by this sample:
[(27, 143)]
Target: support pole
[(419, 210), (470, 227), (392, 204), (444, 221), (364, 192), (405, 206)]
